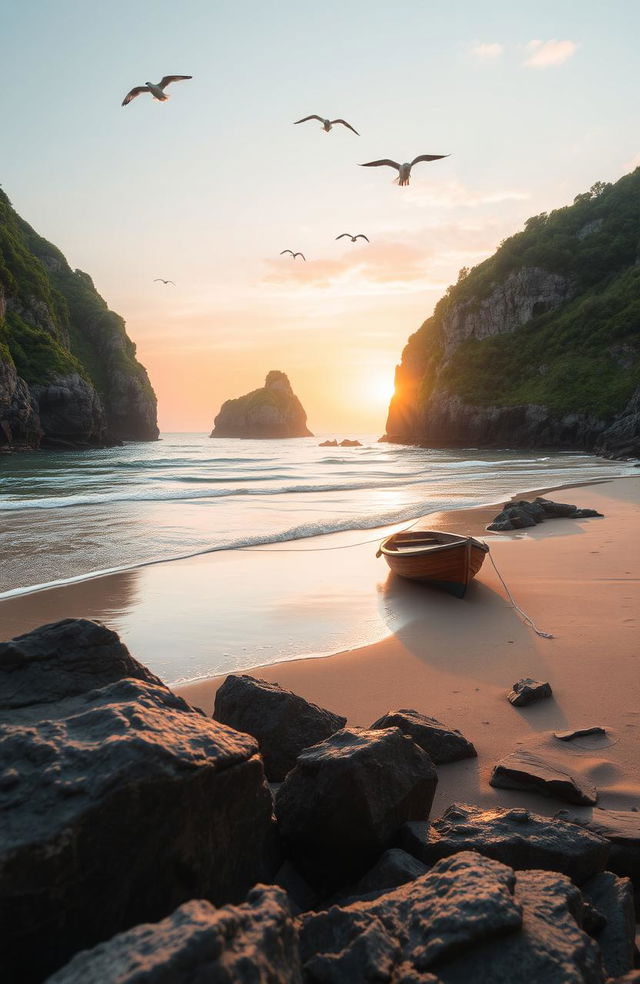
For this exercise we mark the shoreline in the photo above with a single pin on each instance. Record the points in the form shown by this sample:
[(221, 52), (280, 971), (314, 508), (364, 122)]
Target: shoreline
[(279, 545), (456, 660)]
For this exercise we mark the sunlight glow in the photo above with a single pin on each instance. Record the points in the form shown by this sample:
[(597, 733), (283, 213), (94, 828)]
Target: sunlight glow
[(379, 387)]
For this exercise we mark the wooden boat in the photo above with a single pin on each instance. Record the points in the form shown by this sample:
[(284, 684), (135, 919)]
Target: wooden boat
[(444, 560)]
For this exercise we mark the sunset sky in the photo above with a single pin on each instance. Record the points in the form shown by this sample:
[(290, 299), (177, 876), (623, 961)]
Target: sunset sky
[(533, 105)]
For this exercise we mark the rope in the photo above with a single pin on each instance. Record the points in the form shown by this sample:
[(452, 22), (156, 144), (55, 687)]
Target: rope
[(526, 618)]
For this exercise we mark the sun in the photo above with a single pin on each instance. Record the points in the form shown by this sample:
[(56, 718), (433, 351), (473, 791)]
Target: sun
[(379, 387)]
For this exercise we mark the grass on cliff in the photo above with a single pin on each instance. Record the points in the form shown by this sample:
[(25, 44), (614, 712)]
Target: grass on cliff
[(37, 356)]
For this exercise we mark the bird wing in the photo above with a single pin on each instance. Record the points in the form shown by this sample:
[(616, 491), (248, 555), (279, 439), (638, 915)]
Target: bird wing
[(158, 280), (133, 93), (343, 234), (170, 282), (300, 254), (166, 79), (287, 251), (385, 162), (428, 157), (361, 235), (348, 125), (312, 117)]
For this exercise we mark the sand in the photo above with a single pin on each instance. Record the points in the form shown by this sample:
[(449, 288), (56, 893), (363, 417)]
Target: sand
[(456, 660)]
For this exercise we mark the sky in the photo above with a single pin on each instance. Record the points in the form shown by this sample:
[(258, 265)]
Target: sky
[(533, 102)]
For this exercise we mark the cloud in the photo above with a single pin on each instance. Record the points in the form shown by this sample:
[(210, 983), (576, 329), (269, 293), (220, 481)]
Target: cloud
[(542, 54), (455, 194), (486, 51)]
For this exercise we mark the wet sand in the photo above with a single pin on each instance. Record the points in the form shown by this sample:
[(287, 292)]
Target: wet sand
[(456, 660)]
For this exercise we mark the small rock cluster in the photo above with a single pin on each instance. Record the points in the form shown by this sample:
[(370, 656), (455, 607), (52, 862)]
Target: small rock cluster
[(522, 514), (346, 443), (143, 843)]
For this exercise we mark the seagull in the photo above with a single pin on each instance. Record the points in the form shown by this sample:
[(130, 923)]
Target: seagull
[(293, 254), (326, 124), (159, 280), (360, 235), (156, 90), (404, 170)]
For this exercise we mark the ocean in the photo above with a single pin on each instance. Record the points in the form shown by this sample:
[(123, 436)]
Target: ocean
[(67, 516)]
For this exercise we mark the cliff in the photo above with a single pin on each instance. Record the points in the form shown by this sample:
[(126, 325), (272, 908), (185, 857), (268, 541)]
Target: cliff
[(538, 346), (271, 412), (68, 372)]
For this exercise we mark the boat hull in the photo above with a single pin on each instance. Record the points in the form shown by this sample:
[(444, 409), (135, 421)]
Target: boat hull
[(449, 564)]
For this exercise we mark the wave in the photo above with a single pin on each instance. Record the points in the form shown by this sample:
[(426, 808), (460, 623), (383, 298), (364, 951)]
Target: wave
[(304, 531)]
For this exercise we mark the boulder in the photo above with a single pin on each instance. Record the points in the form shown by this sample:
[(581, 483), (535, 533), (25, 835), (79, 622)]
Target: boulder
[(562, 510), (346, 443), (328, 444), (118, 804), (522, 514), (613, 897), (63, 659), (274, 411), (283, 723), (347, 797), (526, 771), (393, 868), (526, 691), (550, 948), (253, 943), (515, 837), (621, 828), (463, 901), (442, 744)]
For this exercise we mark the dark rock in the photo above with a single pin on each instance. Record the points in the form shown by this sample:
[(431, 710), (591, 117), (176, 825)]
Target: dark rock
[(282, 722), (633, 977), (118, 805), (301, 895), (622, 438), (441, 744), (562, 510), (393, 868), (271, 412), (621, 828), (526, 771), (515, 837), (512, 518), (526, 691), (347, 797), (328, 444), (63, 659), (522, 514), (346, 443), (550, 948), (613, 897), (463, 901), (253, 943), (578, 733)]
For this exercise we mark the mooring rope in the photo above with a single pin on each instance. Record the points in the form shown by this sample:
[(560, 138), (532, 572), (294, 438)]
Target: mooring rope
[(526, 618)]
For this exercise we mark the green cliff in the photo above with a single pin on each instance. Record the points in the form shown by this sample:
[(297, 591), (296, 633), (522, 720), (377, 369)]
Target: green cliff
[(68, 371), (539, 345)]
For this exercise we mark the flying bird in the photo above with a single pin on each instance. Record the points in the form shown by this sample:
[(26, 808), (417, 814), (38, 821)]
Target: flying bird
[(326, 124), (156, 89), (293, 254), (404, 170), (360, 235), (159, 280)]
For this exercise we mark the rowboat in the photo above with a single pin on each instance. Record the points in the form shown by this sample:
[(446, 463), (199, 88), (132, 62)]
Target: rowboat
[(443, 560)]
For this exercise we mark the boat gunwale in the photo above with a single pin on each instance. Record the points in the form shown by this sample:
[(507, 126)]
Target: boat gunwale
[(460, 541)]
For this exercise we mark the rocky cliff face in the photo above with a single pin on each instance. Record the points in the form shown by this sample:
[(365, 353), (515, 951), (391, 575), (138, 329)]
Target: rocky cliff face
[(68, 372), (538, 346), (271, 412)]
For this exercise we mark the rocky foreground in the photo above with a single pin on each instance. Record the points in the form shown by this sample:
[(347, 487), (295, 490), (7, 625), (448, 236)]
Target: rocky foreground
[(146, 842)]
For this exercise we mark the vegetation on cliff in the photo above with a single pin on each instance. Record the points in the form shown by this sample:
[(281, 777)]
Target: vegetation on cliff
[(578, 356), (53, 323), (273, 411)]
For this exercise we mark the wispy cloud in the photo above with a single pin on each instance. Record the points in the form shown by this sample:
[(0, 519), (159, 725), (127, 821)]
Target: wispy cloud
[(542, 54), (486, 51), (455, 194)]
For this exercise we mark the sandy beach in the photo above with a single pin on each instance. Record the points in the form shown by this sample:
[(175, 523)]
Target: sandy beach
[(453, 660)]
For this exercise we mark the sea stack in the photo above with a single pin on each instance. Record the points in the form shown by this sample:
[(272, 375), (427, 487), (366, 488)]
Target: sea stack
[(274, 411)]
